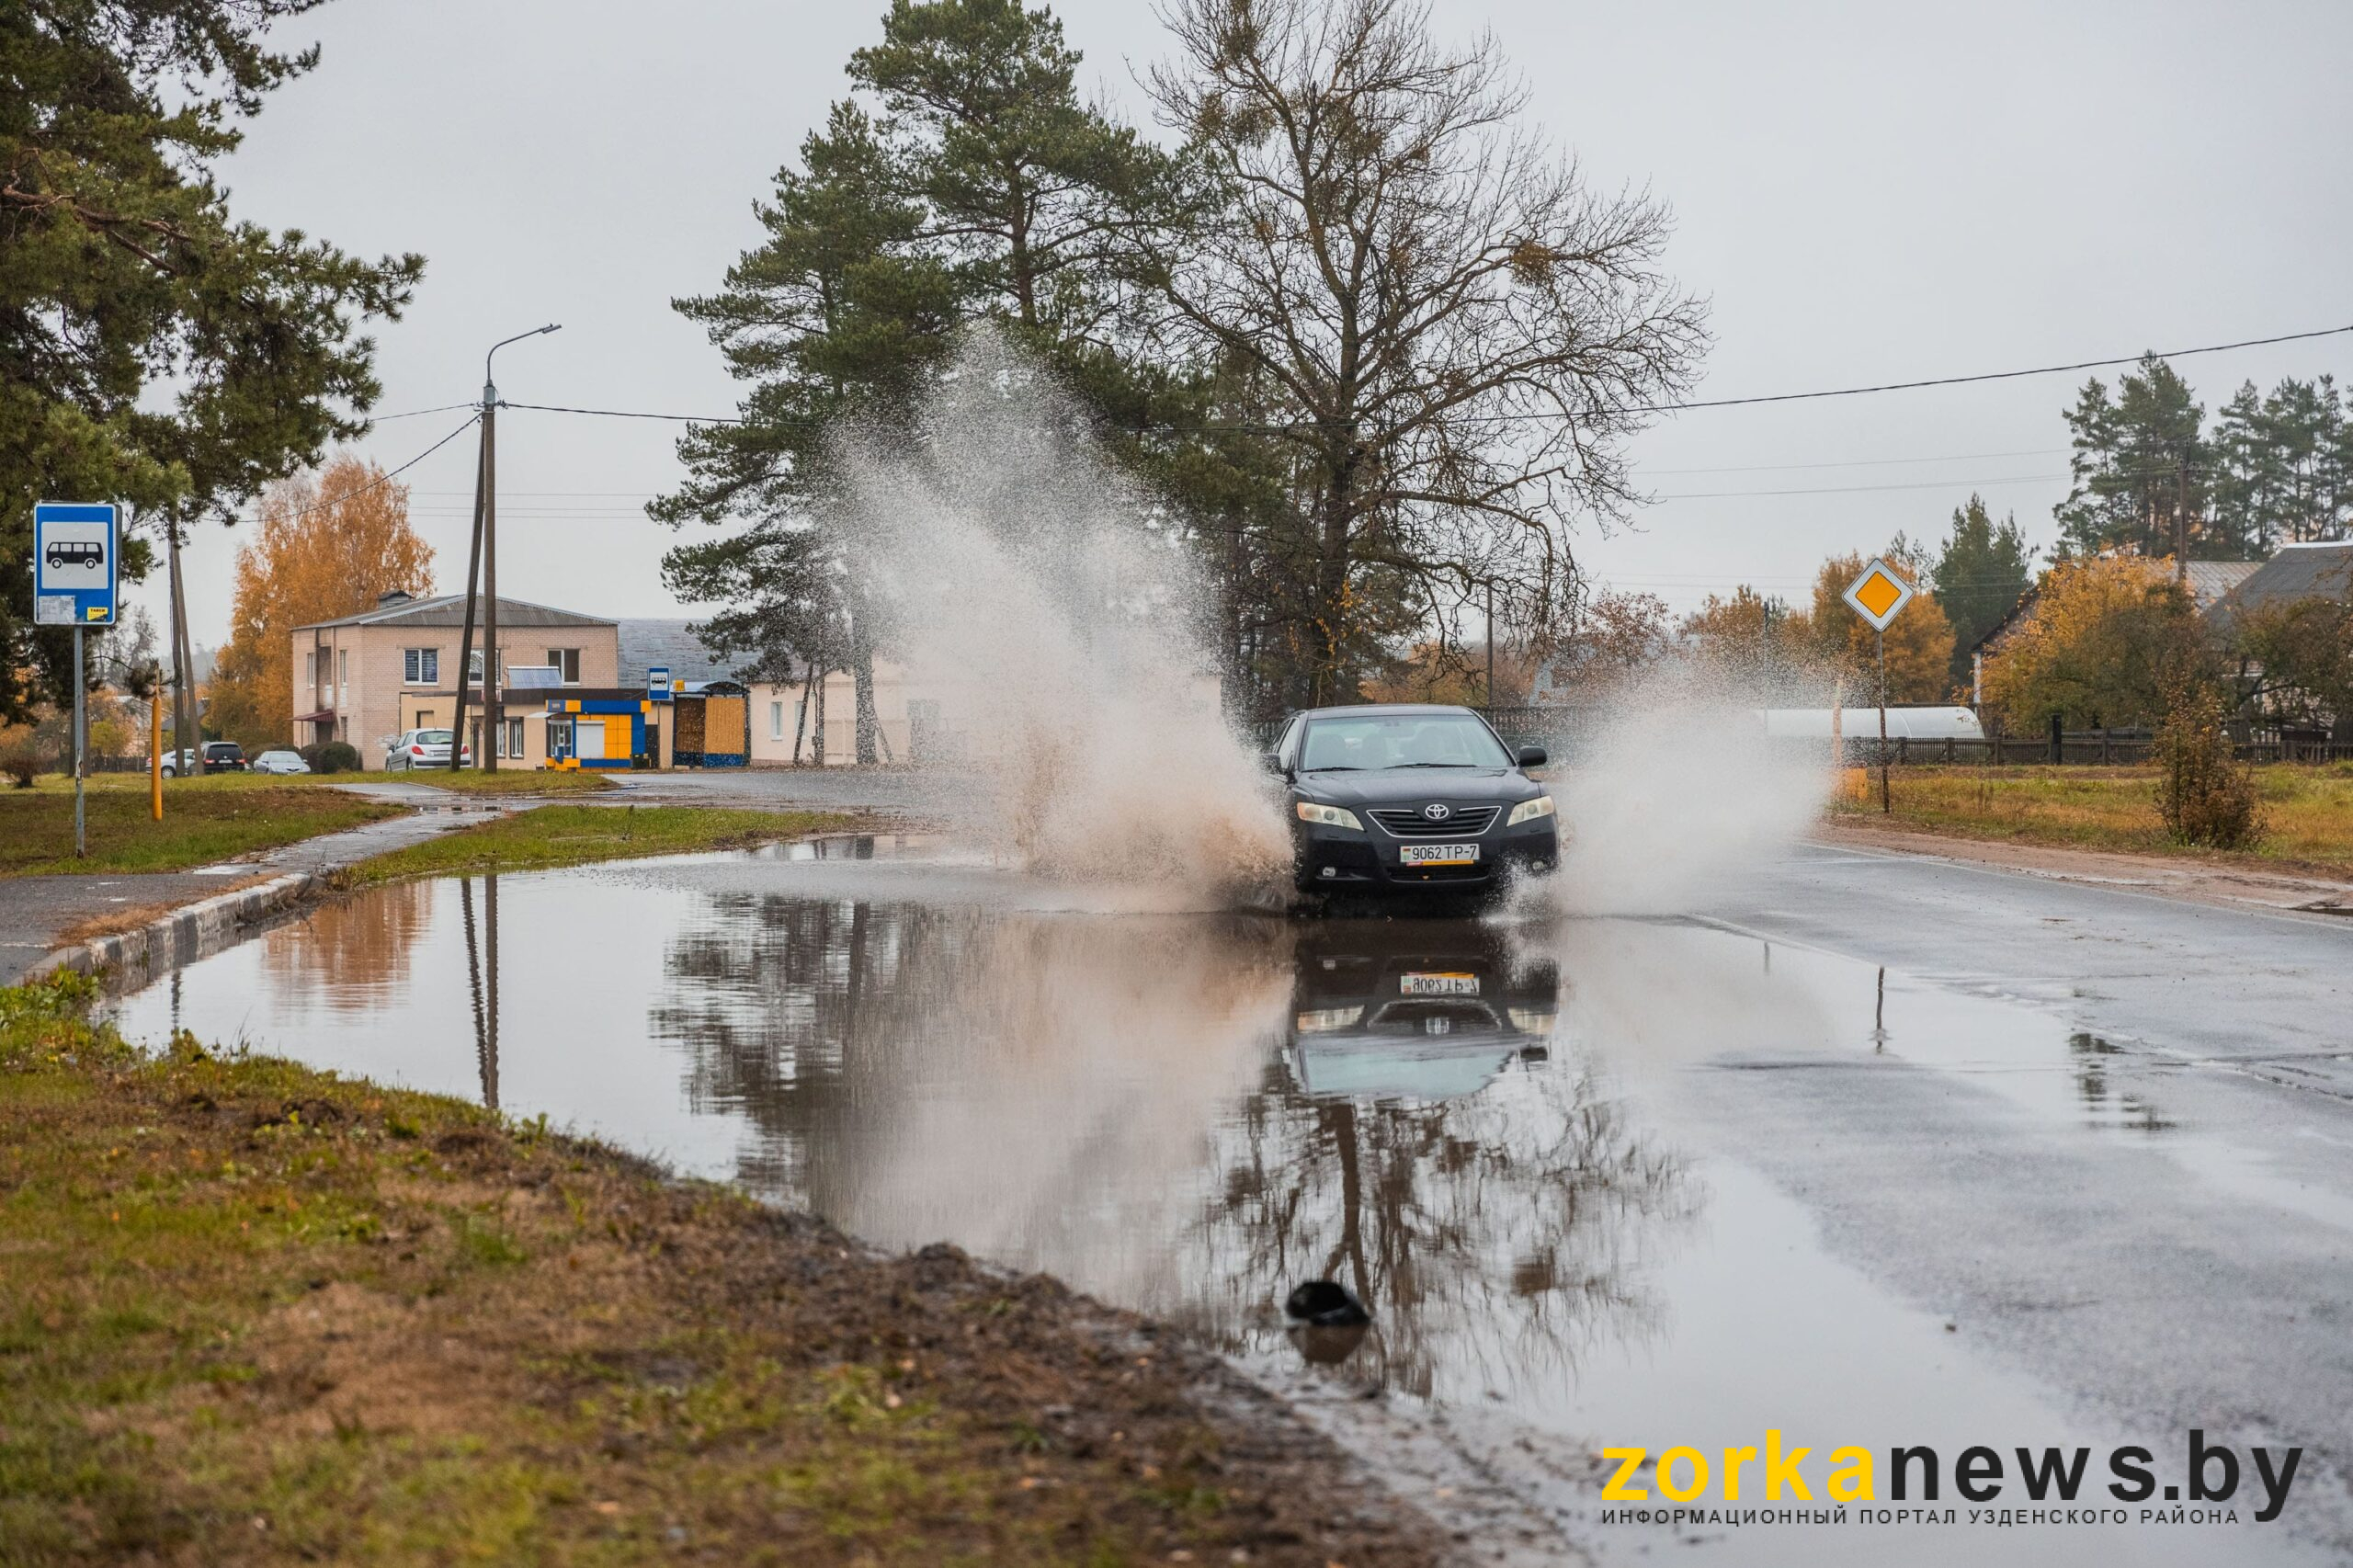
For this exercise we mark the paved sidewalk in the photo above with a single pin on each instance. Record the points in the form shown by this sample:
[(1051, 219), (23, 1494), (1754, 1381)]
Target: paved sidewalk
[(34, 910)]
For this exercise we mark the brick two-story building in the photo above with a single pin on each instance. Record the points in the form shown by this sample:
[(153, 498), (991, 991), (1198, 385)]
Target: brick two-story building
[(366, 677)]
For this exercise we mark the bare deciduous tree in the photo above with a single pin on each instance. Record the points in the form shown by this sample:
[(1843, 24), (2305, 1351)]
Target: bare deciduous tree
[(1465, 329)]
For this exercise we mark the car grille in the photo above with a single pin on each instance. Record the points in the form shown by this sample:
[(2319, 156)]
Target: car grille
[(1407, 822)]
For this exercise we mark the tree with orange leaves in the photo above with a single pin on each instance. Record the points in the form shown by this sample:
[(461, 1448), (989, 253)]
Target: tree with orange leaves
[(1919, 639), (2105, 638), (325, 547)]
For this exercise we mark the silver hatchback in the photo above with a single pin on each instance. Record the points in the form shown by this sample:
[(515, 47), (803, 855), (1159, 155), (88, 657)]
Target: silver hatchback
[(422, 749)]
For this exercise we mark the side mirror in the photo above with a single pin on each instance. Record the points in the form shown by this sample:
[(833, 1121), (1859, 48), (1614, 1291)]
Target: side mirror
[(1272, 761), (1533, 757)]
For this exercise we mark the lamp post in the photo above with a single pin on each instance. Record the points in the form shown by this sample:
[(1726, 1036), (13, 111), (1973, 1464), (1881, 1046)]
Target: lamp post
[(486, 546)]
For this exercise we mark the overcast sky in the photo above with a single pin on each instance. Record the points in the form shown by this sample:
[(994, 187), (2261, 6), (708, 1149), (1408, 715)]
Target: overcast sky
[(1866, 192)]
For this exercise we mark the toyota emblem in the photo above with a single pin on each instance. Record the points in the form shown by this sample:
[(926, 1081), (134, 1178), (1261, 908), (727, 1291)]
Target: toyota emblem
[(1437, 814)]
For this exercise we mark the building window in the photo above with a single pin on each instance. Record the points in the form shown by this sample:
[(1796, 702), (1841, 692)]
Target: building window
[(473, 665), (343, 678), (567, 664), (776, 721), (510, 740), (343, 725), (421, 666)]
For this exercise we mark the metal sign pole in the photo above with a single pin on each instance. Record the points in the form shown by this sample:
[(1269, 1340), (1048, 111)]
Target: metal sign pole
[(1883, 807), (81, 841)]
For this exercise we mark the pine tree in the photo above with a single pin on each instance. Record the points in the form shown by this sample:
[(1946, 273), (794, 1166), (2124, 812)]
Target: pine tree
[(2138, 460), (1979, 575), (2302, 443), (153, 349), (982, 189), (2242, 521), (836, 317)]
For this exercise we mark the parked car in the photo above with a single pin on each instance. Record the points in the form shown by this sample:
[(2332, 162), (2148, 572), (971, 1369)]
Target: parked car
[(423, 748), (220, 756), (280, 761), (1412, 798)]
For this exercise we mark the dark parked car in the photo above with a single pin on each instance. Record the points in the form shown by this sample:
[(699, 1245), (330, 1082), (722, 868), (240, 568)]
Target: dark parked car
[(220, 756), (1410, 799)]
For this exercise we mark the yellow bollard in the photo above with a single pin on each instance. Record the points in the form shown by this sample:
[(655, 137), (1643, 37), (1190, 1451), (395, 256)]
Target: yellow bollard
[(155, 757)]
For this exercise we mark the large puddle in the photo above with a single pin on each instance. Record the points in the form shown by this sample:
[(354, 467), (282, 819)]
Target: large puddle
[(1564, 1162)]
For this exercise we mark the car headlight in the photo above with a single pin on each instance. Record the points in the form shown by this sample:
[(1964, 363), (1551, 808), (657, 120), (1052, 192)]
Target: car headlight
[(1529, 811), (1330, 816)]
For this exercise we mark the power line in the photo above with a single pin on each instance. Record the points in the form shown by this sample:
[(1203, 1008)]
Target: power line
[(1685, 407), (340, 496), (413, 413), (1998, 375)]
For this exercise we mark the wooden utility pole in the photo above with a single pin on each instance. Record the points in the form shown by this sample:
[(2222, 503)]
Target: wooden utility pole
[(1491, 650), (492, 709), (2180, 518), (486, 521), (466, 638), (183, 702)]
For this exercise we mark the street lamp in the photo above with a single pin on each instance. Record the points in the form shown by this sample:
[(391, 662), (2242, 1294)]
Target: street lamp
[(485, 554)]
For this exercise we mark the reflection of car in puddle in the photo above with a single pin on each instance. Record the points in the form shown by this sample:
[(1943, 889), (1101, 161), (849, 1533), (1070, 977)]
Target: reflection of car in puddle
[(1418, 1010)]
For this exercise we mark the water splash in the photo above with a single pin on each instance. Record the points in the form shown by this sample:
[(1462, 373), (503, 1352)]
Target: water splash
[(1675, 790), (1050, 604)]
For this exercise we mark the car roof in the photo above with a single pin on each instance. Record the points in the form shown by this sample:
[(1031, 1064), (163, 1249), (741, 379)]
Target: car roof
[(1378, 710)]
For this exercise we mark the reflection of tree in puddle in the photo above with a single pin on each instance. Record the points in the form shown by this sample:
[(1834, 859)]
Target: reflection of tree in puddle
[(351, 955), (1190, 1115)]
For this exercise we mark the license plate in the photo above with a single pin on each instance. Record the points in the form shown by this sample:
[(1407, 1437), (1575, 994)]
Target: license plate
[(1437, 854), (1437, 985)]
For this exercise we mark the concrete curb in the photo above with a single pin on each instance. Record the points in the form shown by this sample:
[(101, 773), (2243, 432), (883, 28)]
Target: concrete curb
[(183, 935)]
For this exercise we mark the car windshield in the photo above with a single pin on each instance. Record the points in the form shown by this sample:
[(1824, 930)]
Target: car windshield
[(1401, 740), (433, 737)]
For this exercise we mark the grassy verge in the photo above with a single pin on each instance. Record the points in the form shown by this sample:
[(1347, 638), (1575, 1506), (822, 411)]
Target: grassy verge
[(205, 820), (252, 1314), (465, 781), (573, 836), (2309, 810), (474, 781)]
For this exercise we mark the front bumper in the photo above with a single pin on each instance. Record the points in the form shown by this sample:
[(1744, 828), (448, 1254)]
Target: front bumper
[(1351, 860)]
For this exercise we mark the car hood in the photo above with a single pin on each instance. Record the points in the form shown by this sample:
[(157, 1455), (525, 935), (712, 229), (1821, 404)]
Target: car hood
[(1390, 786)]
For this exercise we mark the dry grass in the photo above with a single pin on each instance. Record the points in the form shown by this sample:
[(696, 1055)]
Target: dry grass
[(250, 1313), (2308, 811)]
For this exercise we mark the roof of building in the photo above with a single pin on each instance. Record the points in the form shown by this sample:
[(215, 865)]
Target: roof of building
[(645, 643), (2298, 572), (2210, 580), (449, 609)]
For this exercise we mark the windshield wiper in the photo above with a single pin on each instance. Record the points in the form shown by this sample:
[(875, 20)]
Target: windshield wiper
[(1434, 765), (1335, 767)]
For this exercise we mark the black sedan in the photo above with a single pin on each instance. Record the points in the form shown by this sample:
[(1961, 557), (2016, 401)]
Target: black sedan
[(1410, 799)]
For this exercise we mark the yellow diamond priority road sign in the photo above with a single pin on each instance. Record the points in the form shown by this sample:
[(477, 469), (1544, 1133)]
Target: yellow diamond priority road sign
[(1878, 595)]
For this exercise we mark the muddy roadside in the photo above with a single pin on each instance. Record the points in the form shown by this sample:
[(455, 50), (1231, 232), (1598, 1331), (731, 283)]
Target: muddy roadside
[(2315, 891), (254, 1314)]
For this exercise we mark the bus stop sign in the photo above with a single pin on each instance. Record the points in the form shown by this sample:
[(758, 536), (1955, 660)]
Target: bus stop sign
[(74, 547)]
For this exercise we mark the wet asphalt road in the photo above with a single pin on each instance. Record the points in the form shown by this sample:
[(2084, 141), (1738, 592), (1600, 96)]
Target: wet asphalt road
[(2191, 1262)]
